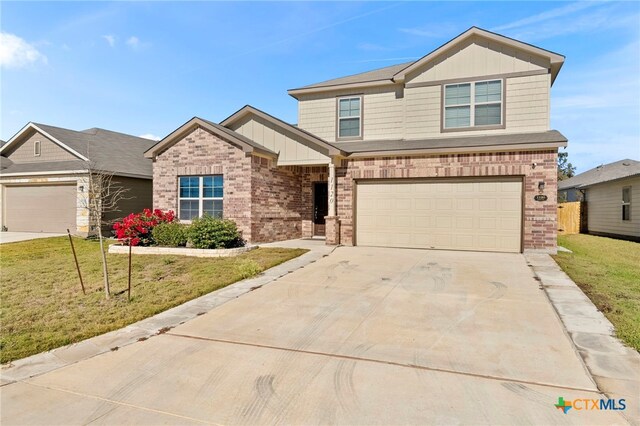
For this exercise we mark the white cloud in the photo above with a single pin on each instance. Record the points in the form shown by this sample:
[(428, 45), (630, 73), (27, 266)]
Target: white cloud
[(111, 39), (17, 53), (150, 136), (133, 42), (437, 30)]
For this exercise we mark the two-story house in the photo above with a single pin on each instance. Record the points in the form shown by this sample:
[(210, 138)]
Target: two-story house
[(452, 151)]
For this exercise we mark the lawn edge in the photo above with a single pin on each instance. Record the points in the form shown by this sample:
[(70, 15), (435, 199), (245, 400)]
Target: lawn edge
[(142, 330)]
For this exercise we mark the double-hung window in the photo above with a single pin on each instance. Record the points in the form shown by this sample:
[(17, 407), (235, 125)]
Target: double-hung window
[(626, 203), (349, 117), (199, 196), (473, 104)]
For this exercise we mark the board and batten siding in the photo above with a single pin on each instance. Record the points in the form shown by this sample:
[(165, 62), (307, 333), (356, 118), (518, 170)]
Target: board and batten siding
[(292, 149), (477, 57), (604, 208), (49, 151), (417, 112)]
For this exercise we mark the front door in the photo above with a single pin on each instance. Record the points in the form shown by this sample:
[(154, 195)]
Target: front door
[(320, 207)]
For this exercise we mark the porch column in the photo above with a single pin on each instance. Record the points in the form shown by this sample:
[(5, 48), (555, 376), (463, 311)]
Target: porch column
[(332, 224), (332, 189)]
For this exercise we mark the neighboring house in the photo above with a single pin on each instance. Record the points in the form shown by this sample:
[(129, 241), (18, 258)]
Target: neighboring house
[(445, 152), (609, 191), (44, 177)]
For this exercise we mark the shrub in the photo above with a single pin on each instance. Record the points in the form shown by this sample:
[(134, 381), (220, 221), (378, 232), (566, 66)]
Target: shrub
[(136, 228), (170, 234), (211, 233)]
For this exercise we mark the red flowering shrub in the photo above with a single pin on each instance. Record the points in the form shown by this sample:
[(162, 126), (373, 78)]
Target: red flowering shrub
[(137, 227)]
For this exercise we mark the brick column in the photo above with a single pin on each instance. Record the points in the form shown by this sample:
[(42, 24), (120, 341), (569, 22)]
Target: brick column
[(332, 230)]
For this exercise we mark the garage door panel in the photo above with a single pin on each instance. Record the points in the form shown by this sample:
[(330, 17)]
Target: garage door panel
[(40, 208), (464, 215)]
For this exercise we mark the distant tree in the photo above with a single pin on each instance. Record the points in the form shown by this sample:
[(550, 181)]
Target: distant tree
[(566, 170)]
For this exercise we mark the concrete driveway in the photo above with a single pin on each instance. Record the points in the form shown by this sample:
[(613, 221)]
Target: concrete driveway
[(363, 336), (13, 237)]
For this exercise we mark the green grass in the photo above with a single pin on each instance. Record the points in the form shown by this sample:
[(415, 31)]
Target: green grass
[(42, 306), (608, 271)]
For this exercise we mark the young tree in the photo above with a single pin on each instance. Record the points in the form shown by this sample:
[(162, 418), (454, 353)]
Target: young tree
[(566, 170), (104, 196)]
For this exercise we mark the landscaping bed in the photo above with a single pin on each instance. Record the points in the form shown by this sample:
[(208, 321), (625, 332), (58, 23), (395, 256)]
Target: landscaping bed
[(43, 306), (607, 271), (180, 251)]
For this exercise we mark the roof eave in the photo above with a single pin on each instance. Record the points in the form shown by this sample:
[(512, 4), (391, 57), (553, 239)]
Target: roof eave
[(456, 150), (335, 87)]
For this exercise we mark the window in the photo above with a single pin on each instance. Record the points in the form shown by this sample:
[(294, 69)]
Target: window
[(37, 149), (473, 104), (626, 203), (349, 117), (200, 195)]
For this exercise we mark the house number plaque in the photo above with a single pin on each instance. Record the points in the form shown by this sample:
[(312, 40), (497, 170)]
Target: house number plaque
[(540, 197)]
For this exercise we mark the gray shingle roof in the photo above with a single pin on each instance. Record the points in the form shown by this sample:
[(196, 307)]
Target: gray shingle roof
[(603, 173), (551, 136), (110, 151), (385, 73), (48, 166)]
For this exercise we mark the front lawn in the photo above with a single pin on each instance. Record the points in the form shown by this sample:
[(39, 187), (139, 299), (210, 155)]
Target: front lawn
[(608, 271), (42, 305)]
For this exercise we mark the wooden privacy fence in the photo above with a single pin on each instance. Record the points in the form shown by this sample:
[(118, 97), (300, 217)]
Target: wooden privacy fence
[(571, 217)]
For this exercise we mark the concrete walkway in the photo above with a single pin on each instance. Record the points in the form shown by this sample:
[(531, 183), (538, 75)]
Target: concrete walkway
[(14, 237), (362, 336)]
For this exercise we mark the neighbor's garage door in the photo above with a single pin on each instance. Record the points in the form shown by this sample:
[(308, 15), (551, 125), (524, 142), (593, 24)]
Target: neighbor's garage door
[(40, 208), (483, 215)]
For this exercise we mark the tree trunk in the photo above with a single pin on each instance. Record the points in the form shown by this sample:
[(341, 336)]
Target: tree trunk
[(105, 270)]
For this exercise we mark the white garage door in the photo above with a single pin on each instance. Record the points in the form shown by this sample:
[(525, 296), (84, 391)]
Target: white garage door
[(484, 215), (40, 208)]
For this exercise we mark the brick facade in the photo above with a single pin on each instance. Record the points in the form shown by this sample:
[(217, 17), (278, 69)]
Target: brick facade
[(276, 201), (539, 217), (202, 153)]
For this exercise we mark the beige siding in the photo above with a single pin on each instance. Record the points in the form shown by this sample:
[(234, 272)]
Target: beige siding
[(604, 208), (292, 149), (475, 58), (417, 113), (49, 151)]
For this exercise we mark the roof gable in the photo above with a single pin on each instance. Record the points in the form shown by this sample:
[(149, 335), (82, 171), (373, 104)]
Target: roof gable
[(398, 74), (556, 60), (311, 140), (246, 144), (106, 150)]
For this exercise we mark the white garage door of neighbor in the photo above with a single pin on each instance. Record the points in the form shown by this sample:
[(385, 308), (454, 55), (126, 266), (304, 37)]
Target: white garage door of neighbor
[(483, 215), (40, 208)]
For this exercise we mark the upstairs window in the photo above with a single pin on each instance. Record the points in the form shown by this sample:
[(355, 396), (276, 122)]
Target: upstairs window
[(37, 147), (200, 195), (349, 117), (473, 104), (626, 203)]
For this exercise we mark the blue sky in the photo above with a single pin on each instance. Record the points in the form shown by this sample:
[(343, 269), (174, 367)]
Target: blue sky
[(147, 67)]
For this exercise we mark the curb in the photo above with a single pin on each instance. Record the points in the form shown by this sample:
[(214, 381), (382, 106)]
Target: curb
[(614, 367)]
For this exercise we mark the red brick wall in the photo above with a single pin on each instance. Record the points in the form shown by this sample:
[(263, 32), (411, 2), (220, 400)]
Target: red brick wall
[(276, 201), (202, 153), (539, 217)]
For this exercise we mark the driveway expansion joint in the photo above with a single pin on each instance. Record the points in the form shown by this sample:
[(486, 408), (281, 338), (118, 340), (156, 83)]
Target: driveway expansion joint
[(387, 362)]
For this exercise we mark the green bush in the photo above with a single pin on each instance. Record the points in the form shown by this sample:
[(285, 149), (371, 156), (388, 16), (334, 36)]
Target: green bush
[(211, 233), (170, 234)]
